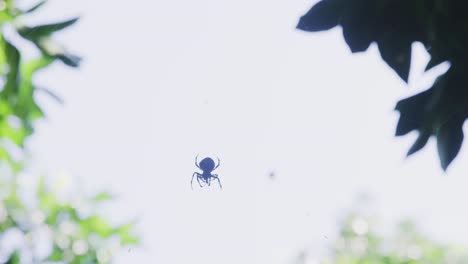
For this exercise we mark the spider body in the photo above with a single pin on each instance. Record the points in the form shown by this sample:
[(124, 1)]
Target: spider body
[(207, 165)]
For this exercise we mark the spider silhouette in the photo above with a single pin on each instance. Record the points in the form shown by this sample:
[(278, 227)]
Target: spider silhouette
[(207, 165)]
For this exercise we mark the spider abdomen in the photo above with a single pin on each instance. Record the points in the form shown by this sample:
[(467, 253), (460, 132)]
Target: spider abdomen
[(207, 165)]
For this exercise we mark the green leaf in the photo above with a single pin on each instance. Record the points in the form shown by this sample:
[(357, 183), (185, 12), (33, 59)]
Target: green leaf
[(48, 202), (26, 107), (34, 65), (16, 135), (57, 255), (41, 188), (84, 259), (42, 31), (14, 258), (125, 233), (5, 156), (97, 225), (103, 196), (40, 36), (3, 58), (5, 108), (35, 7), (5, 17), (36, 112), (13, 77), (55, 50)]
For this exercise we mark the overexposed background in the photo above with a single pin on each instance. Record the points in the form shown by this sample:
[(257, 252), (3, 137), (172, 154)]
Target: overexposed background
[(164, 80)]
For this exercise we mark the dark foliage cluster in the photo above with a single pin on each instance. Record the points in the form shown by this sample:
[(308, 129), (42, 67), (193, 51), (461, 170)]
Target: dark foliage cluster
[(442, 27)]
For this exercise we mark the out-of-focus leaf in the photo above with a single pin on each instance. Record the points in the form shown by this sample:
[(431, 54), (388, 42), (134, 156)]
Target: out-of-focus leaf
[(18, 111), (51, 94), (96, 224), (16, 135), (5, 108), (57, 255), (69, 59), (6, 16), (3, 58), (48, 203), (41, 190), (34, 65), (13, 77), (322, 16), (84, 259), (5, 156), (14, 258), (26, 108), (406, 246), (126, 236), (36, 112), (103, 196), (55, 50), (37, 32), (35, 7)]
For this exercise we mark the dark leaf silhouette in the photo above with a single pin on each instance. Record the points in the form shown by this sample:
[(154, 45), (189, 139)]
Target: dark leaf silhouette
[(412, 112), (449, 141), (323, 16), (395, 25), (397, 55), (421, 141)]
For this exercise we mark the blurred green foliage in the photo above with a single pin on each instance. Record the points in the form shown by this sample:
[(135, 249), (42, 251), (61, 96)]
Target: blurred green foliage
[(53, 229), (359, 242), (18, 107), (49, 229)]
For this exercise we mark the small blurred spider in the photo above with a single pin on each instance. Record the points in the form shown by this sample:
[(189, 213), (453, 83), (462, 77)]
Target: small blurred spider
[(207, 165)]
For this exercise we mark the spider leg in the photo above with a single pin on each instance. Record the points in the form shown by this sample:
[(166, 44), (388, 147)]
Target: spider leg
[(219, 181), (193, 175), (196, 162), (198, 180), (219, 163), (191, 181)]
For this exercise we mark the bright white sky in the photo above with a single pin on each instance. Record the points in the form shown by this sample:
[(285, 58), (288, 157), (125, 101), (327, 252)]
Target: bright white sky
[(164, 80)]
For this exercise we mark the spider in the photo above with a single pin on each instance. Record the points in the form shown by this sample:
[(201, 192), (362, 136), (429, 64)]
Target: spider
[(207, 165)]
